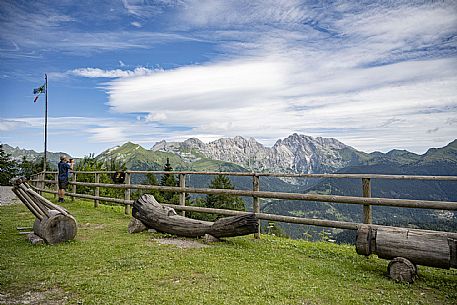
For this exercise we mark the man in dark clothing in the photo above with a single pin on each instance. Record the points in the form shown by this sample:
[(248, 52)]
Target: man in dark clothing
[(64, 166)]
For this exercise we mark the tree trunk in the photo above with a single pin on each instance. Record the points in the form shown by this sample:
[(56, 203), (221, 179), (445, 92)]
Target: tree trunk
[(164, 219), (421, 247), (57, 228)]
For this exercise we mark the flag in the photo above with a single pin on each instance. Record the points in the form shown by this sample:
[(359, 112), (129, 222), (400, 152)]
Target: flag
[(38, 91)]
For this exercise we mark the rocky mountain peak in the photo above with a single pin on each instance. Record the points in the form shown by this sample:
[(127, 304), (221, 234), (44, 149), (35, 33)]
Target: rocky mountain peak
[(296, 153)]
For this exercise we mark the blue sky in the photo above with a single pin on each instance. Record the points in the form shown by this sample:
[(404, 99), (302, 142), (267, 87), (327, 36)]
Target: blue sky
[(376, 76)]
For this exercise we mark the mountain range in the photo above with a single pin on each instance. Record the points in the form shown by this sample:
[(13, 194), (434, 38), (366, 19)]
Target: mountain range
[(294, 154)]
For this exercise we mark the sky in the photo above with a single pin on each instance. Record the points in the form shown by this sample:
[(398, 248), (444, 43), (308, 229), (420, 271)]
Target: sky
[(376, 75)]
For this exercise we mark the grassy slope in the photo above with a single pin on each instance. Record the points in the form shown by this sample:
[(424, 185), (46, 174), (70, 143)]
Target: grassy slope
[(137, 157), (106, 265)]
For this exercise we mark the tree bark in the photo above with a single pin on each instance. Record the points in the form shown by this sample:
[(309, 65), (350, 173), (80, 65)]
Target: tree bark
[(57, 228), (164, 219), (428, 248)]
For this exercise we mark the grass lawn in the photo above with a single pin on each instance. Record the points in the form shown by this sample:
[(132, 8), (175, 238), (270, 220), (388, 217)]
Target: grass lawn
[(106, 265)]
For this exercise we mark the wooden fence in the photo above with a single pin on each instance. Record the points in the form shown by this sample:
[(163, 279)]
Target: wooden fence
[(366, 201)]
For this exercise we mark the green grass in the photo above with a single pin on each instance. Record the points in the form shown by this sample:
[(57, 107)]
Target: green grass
[(106, 265)]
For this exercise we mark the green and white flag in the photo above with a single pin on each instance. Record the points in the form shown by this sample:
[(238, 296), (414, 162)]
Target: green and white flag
[(38, 91)]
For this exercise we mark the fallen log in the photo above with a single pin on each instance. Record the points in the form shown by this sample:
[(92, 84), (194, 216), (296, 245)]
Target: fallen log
[(421, 247), (408, 248), (164, 219)]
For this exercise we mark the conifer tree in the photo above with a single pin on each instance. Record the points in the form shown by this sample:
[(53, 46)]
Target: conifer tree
[(27, 167), (8, 168), (169, 180), (223, 201)]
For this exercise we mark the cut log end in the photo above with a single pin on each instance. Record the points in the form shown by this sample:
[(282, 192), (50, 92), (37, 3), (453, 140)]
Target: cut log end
[(401, 269), (57, 228)]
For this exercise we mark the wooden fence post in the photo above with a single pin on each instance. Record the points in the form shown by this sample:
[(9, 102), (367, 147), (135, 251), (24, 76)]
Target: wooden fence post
[(97, 190), (182, 194), (127, 193), (367, 209), (43, 184), (56, 187), (256, 200), (39, 183), (74, 186)]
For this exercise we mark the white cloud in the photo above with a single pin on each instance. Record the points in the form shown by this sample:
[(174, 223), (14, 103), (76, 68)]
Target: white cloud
[(70, 132), (273, 97), (100, 73), (136, 24), (145, 9), (8, 125), (218, 86), (155, 117), (107, 134)]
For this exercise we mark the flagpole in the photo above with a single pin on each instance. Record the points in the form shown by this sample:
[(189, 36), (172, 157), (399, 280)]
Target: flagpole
[(45, 122)]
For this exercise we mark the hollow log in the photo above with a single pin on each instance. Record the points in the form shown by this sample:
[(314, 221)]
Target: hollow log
[(57, 228), (421, 247), (164, 219)]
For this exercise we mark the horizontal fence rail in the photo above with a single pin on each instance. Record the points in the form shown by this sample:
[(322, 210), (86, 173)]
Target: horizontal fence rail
[(366, 201), (404, 203)]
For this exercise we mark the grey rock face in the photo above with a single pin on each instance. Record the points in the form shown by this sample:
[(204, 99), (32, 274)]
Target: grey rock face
[(296, 153)]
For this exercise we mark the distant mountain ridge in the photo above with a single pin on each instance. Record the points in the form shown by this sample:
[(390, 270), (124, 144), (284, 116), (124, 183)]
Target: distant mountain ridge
[(296, 153), (31, 155)]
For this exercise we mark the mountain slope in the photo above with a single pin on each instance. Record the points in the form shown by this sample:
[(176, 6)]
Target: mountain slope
[(31, 155), (296, 153)]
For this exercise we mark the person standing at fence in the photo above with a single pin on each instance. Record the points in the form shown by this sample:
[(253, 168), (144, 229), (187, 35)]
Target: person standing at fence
[(64, 166)]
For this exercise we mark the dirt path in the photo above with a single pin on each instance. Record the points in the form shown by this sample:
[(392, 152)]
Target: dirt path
[(7, 196)]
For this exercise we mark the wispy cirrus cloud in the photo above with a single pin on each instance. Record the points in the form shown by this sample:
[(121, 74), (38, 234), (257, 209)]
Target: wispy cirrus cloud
[(136, 24), (146, 9), (65, 132), (11, 124), (116, 73), (31, 29)]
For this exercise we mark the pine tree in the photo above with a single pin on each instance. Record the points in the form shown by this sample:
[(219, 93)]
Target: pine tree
[(152, 180), (169, 180), (28, 168), (8, 168), (229, 202), (223, 201)]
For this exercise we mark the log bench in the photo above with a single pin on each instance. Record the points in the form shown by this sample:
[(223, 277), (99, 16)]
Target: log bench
[(53, 223), (164, 219), (407, 248)]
